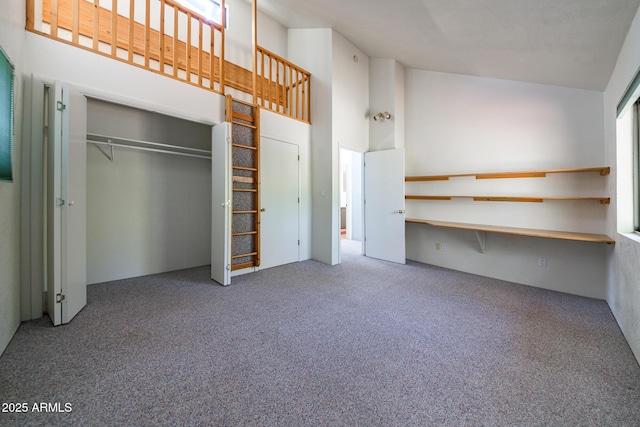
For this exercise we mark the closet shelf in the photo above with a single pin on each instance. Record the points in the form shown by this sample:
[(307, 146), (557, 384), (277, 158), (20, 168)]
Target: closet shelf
[(530, 199), (605, 170), (550, 234)]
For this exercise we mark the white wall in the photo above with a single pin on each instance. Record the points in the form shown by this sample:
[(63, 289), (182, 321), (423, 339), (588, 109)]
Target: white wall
[(312, 50), (146, 212), (462, 124), (338, 115), (350, 95), (271, 34), (623, 280), (12, 22), (387, 92)]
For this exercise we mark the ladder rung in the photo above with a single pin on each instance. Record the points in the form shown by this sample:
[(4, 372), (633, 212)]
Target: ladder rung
[(243, 179), (243, 168), (244, 255), (248, 147), (245, 190), (244, 212), (244, 265), (245, 233), (247, 125), (244, 117)]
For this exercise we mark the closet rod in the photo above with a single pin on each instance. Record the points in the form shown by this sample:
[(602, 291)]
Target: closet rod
[(136, 141), (155, 150)]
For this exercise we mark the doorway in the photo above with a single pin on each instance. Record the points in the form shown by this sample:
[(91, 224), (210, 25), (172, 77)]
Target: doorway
[(351, 201)]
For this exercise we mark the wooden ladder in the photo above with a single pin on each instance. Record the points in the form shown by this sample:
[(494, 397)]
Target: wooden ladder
[(245, 162)]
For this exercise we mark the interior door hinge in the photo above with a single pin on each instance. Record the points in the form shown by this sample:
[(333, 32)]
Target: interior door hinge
[(61, 106), (60, 298), (60, 202), (298, 242)]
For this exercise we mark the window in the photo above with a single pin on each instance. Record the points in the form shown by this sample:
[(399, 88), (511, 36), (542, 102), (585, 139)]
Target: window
[(628, 158), (636, 166), (210, 9), (6, 116)]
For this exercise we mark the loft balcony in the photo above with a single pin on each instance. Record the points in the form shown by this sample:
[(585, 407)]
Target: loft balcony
[(167, 38)]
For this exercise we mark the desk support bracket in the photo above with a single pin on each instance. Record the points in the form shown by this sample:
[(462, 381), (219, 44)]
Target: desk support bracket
[(482, 241)]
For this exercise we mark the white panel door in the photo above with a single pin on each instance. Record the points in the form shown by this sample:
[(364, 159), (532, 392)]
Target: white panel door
[(67, 210), (384, 205), (279, 201), (221, 204)]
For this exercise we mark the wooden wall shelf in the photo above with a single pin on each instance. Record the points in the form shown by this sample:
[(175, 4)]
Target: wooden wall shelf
[(531, 199), (605, 170), (481, 229)]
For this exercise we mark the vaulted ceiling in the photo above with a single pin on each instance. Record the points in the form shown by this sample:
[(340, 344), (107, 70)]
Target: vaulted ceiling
[(572, 43)]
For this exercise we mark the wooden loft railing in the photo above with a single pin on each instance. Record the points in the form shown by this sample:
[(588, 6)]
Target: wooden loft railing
[(286, 86), (194, 56), (147, 41)]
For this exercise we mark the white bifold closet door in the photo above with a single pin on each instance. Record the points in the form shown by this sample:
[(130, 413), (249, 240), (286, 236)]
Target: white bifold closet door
[(66, 203), (221, 204), (384, 205)]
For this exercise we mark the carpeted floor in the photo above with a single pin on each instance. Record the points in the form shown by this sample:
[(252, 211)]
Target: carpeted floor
[(364, 343)]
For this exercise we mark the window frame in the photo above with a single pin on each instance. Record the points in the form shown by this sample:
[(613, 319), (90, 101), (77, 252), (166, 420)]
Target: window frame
[(636, 165), (189, 5), (7, 141)]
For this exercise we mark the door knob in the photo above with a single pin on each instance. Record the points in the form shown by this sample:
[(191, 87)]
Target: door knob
[(263, 210), (401, 211)]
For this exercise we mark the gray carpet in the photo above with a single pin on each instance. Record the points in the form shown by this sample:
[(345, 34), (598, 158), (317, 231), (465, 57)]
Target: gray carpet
[(365, 343)]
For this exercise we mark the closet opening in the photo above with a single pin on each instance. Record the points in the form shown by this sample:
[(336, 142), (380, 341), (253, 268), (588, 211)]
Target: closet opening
[(148, 192)]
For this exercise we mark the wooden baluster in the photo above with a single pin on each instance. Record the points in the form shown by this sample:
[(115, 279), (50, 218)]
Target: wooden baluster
[(308, 118), (199, 52), (223, 14), (290, 91), (76, 22), (147, 34), (278, 85), (54, 18), (263, 80), (298, 94), (304, 96), (161, 34), (211, 56), (188, 46), (175, 42), (270, 82), (114, 27), (130, 42), (30, 15), (96, 25)]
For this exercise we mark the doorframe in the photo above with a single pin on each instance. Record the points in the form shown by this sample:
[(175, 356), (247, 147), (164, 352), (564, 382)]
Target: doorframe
[(299, 190), (360, 202), (33, 192)]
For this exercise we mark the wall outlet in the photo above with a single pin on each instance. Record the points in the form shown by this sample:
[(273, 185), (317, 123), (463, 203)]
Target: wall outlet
[(542, 262), (443, 247)]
